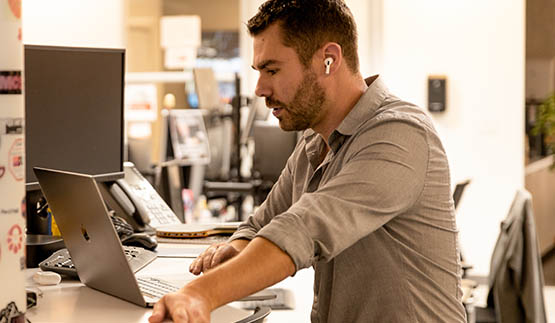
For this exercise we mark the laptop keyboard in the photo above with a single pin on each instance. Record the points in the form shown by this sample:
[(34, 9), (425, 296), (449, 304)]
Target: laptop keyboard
[(138, 257), (154, 287), (61, 262)]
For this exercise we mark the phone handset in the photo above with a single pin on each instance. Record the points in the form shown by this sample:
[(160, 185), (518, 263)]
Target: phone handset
[(124, 195), (124, 202), (140, 201)]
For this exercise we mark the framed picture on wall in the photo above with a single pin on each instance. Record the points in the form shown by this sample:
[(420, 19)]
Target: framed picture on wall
[(188, 136)]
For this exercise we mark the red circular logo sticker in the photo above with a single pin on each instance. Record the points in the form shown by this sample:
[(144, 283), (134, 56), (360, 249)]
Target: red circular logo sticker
[(15, 6), (15, 239), (16, 159)]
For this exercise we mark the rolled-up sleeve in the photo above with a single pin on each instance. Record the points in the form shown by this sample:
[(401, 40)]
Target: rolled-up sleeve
[(278, 201), (381, 177)]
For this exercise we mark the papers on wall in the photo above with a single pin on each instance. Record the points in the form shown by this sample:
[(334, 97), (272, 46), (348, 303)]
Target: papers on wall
[(180, 58), (180, 36), (141, 102), (188, 136)]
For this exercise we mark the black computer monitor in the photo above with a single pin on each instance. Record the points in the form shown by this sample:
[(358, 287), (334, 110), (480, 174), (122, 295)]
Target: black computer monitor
[(272, 148), (74, 111)]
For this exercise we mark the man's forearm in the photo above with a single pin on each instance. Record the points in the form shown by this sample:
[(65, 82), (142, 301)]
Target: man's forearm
[(259, 265)]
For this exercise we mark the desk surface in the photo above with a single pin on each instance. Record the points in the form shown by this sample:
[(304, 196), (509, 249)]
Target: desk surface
[(72, 301)]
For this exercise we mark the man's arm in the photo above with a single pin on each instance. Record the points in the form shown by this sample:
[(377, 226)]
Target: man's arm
[(278, 200), (239, 244), (216, 254), (381, 176), (259, 265)]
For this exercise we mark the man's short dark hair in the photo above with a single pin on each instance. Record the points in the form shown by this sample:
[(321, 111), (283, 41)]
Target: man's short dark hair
[(307, 25)]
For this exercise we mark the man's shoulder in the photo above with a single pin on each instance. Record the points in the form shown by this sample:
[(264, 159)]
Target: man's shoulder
[(394, 109)]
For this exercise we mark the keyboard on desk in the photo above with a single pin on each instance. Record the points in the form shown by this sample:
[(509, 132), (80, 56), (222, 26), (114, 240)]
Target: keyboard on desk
[(154, 287), (60, 261)]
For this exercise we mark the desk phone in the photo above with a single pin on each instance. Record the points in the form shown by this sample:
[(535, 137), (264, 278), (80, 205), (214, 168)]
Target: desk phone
[(139, 202)]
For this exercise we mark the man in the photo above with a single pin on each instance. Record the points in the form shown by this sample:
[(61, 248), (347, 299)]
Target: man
[(364, 198)]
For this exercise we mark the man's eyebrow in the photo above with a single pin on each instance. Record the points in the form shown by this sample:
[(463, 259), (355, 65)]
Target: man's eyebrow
[(264, 64)]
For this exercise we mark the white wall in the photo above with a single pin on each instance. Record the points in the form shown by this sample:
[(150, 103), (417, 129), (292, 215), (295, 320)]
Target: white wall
[(86, 23), (479, 46), (247, 9)]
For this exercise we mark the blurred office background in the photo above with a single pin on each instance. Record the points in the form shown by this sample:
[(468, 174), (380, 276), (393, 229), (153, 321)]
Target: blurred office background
[(497, 57)]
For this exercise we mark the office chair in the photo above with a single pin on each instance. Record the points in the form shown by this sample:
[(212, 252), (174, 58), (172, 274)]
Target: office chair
[(459, 189), (516, 276), (457, 195)]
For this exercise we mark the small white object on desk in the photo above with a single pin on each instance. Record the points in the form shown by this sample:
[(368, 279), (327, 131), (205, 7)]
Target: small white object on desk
[(284, 300), (47, 278)]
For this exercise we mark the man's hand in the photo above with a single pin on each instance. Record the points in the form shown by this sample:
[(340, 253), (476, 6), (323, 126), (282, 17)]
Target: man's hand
[(257, 266), (184, 306), (213, 256)]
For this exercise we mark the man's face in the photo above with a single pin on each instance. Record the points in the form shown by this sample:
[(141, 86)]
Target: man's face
[(290, 89)]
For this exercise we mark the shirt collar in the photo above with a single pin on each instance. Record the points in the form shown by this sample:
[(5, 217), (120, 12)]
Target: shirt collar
[(363, 110), (365, 107)]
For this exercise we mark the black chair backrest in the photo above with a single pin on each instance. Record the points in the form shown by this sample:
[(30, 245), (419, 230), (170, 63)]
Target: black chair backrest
[(459, 189)]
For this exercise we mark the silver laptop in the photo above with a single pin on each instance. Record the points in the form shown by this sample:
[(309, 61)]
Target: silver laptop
[(91, 239)]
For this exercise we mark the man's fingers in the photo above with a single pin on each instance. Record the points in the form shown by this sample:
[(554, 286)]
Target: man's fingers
[(221, 255), (158, 311), (193, 268), (207, 258), (217, 257), (172, 306), (181, 307), (211, 257), (179, 315), (196, 266), (192, 265)]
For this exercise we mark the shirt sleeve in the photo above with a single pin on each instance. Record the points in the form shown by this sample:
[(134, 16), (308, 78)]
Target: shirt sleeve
[(382, 177), (278, 201)]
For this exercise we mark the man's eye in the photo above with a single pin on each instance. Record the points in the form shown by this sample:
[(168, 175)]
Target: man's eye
[(272, 72)]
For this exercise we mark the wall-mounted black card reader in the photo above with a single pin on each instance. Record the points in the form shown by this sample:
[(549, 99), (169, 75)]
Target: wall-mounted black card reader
[(437, 93)]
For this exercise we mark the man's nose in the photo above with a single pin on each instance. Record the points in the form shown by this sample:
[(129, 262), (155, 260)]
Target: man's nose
[(262, 88)]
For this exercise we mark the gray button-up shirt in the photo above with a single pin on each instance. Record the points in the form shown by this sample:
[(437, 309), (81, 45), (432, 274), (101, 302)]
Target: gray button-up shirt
[(375, 218)]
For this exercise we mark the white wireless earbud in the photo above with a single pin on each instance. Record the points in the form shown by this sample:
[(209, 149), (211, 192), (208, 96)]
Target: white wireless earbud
[(328, 61)]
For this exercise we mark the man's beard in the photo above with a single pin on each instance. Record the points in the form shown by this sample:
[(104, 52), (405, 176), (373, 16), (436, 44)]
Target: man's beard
[(305, 110)]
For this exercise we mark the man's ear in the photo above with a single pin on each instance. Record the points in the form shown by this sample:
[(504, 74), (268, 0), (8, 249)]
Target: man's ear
[(331, 58)]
